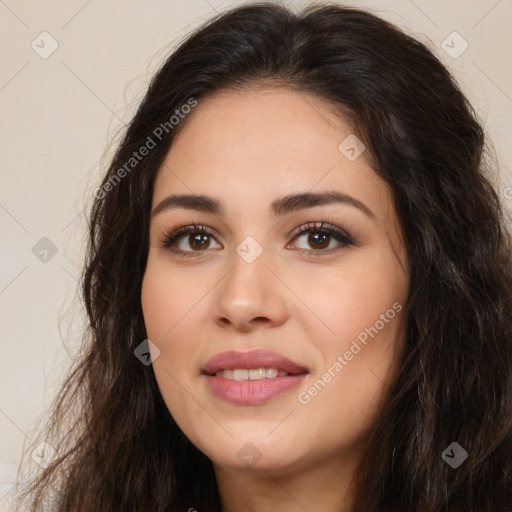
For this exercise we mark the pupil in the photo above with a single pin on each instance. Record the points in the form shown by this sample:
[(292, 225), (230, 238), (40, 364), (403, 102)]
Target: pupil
[(319, 238), (200, 240)]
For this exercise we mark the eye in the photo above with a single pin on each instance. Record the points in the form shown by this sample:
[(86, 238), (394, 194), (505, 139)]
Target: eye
[(189, 239), (322, 239)]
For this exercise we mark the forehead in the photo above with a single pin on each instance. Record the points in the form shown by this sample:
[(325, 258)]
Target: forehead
[(266, 143)]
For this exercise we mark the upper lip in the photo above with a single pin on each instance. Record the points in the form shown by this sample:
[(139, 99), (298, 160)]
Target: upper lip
[(258, 358)]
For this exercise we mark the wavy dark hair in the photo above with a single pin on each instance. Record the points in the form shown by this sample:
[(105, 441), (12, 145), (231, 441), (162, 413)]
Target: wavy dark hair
[(118, 447)]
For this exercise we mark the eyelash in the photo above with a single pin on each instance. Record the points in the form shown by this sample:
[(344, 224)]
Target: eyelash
[(339, 235)]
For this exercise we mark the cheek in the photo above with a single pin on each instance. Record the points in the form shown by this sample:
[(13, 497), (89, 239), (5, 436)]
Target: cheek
[(167, 297), (362, 312), (357, 371), (158, 307), (347, 302), (167, 304)]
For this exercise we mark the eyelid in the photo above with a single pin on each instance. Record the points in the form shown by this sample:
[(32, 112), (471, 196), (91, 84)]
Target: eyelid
[(320, 226), (169, 238)]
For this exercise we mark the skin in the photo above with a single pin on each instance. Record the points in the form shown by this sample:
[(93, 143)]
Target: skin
[(246, 149)]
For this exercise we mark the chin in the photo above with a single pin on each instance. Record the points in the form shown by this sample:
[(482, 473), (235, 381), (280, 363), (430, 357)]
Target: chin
[(253, 453)]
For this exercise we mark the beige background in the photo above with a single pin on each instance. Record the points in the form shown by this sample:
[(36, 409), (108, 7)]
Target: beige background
[(60, 113)]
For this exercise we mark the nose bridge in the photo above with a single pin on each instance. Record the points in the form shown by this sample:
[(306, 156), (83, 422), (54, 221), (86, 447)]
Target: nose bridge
[(249, 290), (249, 275)]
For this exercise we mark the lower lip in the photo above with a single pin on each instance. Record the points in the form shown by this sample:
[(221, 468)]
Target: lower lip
[(252, 392)]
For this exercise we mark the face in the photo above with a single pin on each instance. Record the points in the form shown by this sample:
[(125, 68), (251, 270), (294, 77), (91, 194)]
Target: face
[(293, 265)]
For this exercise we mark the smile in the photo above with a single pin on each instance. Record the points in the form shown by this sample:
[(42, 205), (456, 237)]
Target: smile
[(251, 374), (253, 377)]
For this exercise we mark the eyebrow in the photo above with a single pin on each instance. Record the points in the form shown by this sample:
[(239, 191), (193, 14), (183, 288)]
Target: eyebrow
[(278, 208)]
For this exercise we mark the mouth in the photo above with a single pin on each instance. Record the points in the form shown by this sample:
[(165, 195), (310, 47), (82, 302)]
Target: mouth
[(250, 378), (241, 374)]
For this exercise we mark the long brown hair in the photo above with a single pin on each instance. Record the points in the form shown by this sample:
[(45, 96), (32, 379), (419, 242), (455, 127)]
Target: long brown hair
[(118, 447)]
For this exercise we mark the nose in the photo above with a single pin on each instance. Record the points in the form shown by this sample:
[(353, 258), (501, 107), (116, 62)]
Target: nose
[(250, 296)]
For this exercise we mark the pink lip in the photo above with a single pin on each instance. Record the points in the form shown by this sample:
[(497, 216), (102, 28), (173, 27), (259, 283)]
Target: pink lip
[(253, 359), (251, 392)]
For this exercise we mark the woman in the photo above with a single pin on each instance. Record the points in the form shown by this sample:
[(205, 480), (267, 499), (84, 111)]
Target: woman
[(298, 283)]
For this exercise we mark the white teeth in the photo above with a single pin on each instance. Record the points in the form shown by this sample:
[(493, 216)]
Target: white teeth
[(240, 374), (258, 374), (252, 374)]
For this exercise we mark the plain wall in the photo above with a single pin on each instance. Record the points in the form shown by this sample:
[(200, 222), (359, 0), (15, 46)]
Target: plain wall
[(60, 113)]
